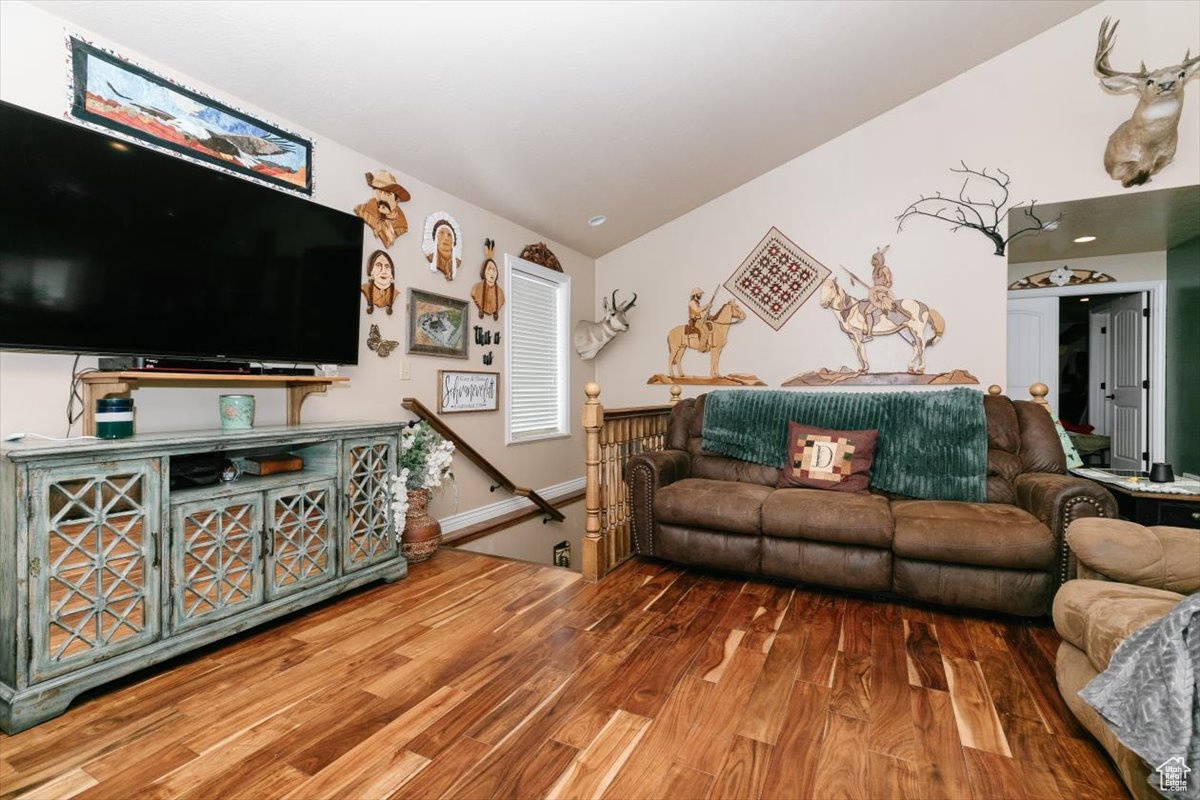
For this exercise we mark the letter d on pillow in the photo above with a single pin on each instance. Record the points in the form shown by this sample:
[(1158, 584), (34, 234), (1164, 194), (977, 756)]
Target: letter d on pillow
[(819, 458)]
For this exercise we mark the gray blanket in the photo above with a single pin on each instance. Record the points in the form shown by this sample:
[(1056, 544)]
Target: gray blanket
[(1150, 698)]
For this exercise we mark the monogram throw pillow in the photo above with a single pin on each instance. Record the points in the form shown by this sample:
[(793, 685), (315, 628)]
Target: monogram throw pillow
[(819, 458)]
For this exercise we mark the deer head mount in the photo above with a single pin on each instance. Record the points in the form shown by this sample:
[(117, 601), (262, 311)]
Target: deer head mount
[(590, 337), (1145, 143)]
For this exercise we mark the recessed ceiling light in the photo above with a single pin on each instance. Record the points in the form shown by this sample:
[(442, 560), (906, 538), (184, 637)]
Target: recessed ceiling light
[(1085, 299), (597, 220), (1084, 239), (119, 146)]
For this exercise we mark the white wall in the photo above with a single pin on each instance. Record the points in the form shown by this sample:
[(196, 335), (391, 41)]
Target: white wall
[(533, 541), (33, 388), (1037, 111), (1127, 267)]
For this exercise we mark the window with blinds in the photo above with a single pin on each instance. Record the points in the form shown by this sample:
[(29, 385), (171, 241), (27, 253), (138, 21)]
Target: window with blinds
[(536, 355)]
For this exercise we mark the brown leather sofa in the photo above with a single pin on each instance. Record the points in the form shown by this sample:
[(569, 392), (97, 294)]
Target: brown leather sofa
[(1128, 577), (1007, 554)]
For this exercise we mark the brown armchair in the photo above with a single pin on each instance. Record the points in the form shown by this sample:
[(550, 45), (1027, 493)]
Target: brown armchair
[(1127, 577)]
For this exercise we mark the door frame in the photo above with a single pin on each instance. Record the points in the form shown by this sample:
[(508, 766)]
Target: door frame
[(1156, 345)]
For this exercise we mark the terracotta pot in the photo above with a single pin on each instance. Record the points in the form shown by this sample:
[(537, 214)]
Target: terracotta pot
[(422, 534)]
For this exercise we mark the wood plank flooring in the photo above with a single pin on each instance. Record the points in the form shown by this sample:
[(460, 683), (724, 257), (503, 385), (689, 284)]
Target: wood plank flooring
[(480, 677)]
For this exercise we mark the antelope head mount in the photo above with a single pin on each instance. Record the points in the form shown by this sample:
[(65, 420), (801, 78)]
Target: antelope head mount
[(1145, 143), (590, 337)]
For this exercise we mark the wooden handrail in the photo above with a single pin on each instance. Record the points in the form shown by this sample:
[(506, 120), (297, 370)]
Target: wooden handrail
[(415, 406)]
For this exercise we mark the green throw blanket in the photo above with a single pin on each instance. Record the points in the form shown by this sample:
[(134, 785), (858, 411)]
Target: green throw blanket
[(931, 445)]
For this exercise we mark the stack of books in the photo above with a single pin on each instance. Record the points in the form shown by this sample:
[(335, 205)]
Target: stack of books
[(273, 464)]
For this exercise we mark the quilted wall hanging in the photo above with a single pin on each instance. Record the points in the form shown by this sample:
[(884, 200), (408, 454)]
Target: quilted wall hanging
[(776, 278)]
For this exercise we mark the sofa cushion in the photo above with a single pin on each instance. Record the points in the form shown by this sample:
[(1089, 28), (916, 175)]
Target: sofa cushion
[(698, 547), (981, 534), (862, 519), (1023, 592), (861, 569), (717, 505), (822, 458), (720, 468), (1096, 616)]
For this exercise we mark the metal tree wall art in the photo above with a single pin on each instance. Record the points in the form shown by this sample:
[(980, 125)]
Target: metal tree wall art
[(981, 212), (1145, 143)]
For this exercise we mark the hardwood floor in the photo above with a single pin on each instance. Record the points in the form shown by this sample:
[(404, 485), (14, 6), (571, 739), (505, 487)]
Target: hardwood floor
[(480, 677)]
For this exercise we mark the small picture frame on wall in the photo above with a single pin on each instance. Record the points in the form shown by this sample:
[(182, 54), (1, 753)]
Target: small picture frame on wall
[(461, 391), (437, 325)]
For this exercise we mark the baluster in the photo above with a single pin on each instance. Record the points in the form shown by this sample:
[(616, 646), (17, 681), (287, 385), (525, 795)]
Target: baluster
[(593, 422)]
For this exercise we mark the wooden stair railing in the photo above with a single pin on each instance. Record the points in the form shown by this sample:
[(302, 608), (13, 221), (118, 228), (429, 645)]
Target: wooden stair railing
[(614, 435), (415, 406)]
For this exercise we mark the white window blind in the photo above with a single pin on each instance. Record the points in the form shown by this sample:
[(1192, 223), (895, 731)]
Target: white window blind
[(536, 360)]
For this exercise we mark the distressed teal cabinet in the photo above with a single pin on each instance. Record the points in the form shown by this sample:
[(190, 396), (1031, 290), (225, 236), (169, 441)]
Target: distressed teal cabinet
[(369, 535), (301, 543), (92, 574), (105, 569), (215, 559)]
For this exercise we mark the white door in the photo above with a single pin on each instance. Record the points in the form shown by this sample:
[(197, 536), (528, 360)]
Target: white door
[(1099, 406), (1033, 347), (1128, 388)]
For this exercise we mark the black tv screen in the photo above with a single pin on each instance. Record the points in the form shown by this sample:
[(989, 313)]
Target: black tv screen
[(109, 247)]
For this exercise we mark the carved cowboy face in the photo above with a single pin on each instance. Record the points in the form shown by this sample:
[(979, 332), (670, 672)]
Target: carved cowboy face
[(387, 204)]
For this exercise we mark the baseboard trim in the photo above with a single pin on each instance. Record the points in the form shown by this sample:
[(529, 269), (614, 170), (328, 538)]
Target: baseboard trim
[(503, 508)]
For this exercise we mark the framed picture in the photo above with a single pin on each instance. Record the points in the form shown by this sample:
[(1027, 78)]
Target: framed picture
[(465, 390), (114, 94), (437, 325)]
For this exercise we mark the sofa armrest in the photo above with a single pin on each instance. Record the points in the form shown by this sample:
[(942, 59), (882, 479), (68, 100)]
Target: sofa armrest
[(1126, 552), (1057, 501), (649, 472)]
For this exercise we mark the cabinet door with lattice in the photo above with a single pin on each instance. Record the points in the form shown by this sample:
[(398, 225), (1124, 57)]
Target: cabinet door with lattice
[(368, 536), (93, 544), (301, 545), (216, 559)]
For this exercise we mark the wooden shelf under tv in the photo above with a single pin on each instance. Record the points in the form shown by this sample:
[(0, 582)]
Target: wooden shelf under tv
[(104, 384)]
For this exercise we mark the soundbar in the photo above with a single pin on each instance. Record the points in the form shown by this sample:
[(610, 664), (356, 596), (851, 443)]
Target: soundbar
[(204, 366), (150, 364)]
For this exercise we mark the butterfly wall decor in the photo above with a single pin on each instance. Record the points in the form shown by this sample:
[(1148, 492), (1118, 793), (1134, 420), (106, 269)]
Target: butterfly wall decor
[(382, 347)]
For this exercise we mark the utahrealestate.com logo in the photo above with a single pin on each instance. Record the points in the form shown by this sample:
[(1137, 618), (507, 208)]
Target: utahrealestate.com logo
[(1172, 775)]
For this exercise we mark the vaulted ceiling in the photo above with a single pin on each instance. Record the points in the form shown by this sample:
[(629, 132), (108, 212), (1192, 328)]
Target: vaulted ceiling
[(551, 112)]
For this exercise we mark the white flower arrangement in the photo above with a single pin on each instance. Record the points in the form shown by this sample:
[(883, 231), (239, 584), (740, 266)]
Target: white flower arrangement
[(426, 461), (426, 456), (399, 501)]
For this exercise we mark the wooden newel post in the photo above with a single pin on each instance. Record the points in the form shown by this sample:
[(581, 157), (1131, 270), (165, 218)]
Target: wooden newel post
[(1038, 392), (676, 391), (994, 390), (593, 422)]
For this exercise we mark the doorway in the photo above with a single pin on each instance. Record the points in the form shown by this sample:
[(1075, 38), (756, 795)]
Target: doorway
[(1103, 380), (1098, 348)]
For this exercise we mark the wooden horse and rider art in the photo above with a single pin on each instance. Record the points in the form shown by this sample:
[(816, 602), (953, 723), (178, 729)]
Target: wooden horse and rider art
[(706, 331), (881, 314)]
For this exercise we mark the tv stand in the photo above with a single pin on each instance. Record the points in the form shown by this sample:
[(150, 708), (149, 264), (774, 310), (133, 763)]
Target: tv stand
[(106, 569), (104, 384)]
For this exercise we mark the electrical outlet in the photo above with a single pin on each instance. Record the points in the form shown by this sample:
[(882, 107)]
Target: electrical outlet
[(405, 371)]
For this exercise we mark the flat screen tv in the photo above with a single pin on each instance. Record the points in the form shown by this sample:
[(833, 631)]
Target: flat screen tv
[(111, 248)]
